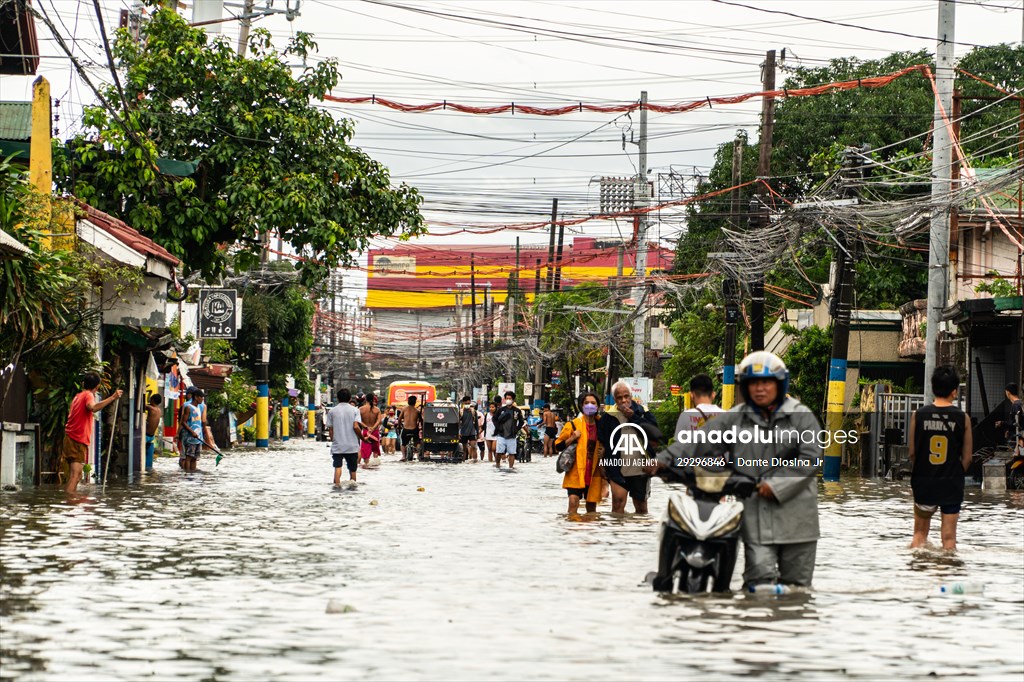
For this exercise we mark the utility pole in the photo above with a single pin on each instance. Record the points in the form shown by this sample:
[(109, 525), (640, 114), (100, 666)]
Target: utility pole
[(458, 321), (942, 159), (840, 310), (764, 160), (737, 175), (764, 164), (510, 300), (538, 370), (472, 300), (550, 274), (558, 258), (243, 31), (731, 294), (419, 344), (640, 201)]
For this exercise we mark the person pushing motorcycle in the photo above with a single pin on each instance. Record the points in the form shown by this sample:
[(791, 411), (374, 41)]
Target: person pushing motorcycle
[(780, 520)]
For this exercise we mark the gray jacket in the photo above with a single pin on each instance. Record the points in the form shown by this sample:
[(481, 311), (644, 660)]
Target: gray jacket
[(793, 516)]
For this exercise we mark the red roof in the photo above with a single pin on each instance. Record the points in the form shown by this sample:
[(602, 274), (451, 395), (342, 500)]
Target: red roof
[(121, 231)]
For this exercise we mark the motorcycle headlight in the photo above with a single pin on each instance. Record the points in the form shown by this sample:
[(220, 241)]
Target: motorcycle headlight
[(678, 517), (732, 525)]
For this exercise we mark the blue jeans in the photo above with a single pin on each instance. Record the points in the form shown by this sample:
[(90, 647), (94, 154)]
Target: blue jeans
[(150, 448)]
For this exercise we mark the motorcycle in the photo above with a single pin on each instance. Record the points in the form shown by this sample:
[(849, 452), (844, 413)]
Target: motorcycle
[(700, 530)]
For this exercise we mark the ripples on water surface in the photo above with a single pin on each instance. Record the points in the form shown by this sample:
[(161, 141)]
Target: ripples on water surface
[(226, 575)]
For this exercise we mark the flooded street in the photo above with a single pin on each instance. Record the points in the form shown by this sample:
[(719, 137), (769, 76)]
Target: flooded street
[(227, 575)]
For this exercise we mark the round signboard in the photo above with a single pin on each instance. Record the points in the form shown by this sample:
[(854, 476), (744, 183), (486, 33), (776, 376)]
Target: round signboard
[(400, 395), (217, 307)]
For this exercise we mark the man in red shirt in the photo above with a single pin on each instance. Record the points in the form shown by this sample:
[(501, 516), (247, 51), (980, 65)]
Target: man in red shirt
[(78, 431)]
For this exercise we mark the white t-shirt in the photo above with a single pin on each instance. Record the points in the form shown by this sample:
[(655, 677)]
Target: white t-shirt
[(692, 419), (488, 426), (341, 420)]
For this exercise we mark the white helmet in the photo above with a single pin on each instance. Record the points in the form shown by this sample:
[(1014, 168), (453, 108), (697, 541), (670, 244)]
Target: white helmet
[(762, 365)]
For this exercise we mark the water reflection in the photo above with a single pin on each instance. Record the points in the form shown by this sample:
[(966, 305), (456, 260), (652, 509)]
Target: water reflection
[(227, 576)]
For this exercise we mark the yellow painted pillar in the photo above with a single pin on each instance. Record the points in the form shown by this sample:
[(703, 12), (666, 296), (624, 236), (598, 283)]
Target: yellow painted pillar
[(285, 426), (40, 163)]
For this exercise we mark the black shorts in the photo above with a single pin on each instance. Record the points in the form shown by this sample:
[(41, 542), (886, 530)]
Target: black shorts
[(578, 492), (550, 431), (410, 436), (350, 459), (927, 510), (639, 487), (466, 440)]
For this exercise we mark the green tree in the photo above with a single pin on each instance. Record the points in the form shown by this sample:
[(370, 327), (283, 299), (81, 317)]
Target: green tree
[(284, 313), (569, 333), (807, 358), (699, 335), (46, 315), (265, 157), (810, 132)]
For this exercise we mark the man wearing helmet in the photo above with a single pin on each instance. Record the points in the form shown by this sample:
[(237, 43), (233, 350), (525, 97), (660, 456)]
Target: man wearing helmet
[(772, 438)]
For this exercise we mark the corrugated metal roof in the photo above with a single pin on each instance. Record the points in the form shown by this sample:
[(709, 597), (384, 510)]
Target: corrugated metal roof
[(10, 245), (15, 120)]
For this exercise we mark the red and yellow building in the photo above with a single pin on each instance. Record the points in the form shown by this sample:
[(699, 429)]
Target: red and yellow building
[(424, 277)]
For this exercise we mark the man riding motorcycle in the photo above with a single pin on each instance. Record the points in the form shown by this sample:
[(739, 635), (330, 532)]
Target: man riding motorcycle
[(774, 439)]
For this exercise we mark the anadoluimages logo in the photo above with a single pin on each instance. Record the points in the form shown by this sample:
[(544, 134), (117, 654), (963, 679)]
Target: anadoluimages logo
[(630, 441)]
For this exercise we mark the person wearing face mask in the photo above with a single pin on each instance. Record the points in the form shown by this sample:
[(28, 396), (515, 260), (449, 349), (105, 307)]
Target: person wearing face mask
[(584, 480), (774, 439), (508, 422)]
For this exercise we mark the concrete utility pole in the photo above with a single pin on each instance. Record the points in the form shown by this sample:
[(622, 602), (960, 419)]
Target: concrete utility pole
[(764, 165), (243, 31), (731, 294), (737, 175), (510, 301), (942, 160), (558, 258), (841, 309), (538, 370), (640, 201), (550, 274), (472, 300)]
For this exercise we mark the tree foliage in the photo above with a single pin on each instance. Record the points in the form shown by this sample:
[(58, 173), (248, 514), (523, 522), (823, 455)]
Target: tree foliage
[(266, 158), (807, 358), (284, 313), (45, 304), (699, 335), (810, 133)]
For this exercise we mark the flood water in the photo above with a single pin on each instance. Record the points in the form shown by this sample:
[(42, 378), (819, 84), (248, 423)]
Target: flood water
[(227, 575)]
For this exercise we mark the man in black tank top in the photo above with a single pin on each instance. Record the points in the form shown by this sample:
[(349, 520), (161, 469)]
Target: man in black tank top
[(940, 452)]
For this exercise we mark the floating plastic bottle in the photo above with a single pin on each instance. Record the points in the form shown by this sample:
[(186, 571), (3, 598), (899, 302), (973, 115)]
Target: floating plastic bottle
[(769, 588), (962, 588)]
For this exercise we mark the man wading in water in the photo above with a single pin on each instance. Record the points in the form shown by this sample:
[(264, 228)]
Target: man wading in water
[(550, 431), (74, 451), (410, 420)]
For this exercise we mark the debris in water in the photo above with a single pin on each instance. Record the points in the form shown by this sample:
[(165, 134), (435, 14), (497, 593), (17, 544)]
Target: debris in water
[(421, 489), (337, 606)]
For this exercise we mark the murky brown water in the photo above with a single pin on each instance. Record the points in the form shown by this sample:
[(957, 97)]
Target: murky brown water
[(227, 575)]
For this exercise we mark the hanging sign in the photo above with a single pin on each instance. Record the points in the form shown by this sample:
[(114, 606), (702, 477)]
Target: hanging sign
[(217, 314)]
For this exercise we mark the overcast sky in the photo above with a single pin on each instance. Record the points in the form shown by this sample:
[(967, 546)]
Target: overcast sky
[(506, 169)]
